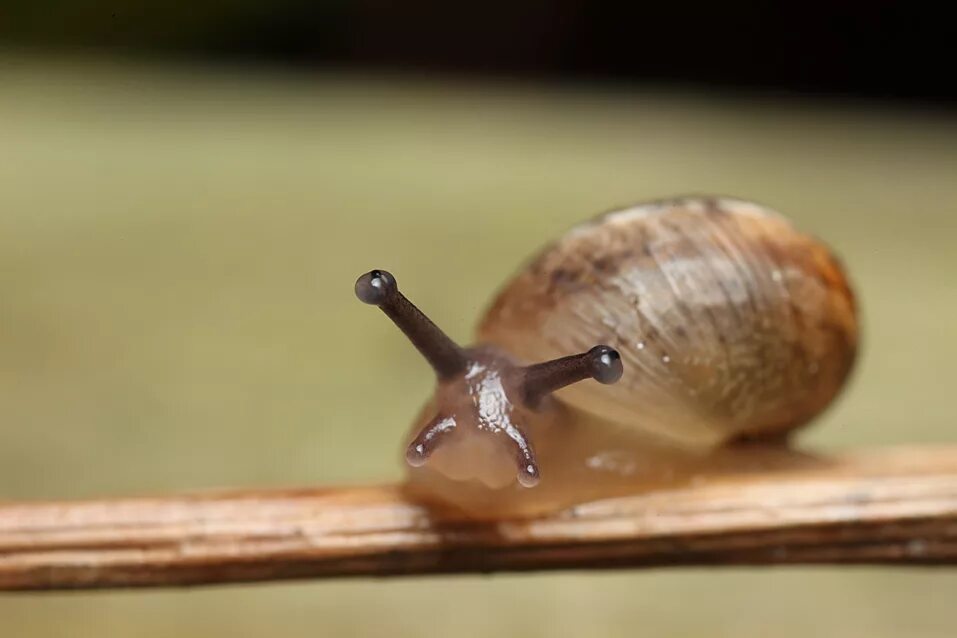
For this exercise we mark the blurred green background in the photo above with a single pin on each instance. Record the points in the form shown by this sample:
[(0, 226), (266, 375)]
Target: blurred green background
[(178, 244)]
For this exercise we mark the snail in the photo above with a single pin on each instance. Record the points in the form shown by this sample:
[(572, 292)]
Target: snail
[(637, 347)]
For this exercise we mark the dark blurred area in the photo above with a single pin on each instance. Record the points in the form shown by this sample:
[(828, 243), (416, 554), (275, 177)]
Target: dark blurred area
[(878, 49)]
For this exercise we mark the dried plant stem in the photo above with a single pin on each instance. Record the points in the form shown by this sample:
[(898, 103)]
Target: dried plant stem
[(894, 506)]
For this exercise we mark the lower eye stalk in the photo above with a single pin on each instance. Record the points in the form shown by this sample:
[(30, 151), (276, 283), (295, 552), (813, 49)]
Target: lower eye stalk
[(425, 443), (528, 475)]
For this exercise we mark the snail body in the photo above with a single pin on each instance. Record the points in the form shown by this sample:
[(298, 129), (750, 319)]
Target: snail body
[(719, 321)]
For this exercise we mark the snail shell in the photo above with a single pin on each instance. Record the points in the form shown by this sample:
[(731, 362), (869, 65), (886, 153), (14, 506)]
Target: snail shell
[(730, 322)]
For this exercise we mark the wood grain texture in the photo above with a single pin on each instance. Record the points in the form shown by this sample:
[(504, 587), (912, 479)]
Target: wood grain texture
[(883, 507)]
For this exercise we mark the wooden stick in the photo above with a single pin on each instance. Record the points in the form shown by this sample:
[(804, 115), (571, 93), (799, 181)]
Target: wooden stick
[(896, 507)]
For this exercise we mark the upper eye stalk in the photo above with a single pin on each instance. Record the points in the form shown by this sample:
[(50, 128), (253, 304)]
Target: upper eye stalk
[(602, 363), (378, 288)]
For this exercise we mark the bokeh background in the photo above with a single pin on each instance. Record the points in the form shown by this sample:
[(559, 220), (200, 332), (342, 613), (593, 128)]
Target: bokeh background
[(187, 194)]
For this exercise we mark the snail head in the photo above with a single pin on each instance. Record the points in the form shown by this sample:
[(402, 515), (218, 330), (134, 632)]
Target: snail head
[(483, 397)]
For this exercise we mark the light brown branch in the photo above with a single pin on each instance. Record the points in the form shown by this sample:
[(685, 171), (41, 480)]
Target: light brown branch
[(896, 506)]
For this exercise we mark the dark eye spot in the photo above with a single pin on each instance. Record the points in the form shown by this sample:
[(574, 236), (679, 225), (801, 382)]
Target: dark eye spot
[(375, 287), (606, 364)]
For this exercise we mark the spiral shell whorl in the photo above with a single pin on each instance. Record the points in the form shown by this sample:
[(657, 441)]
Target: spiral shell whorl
[(729, 321)]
